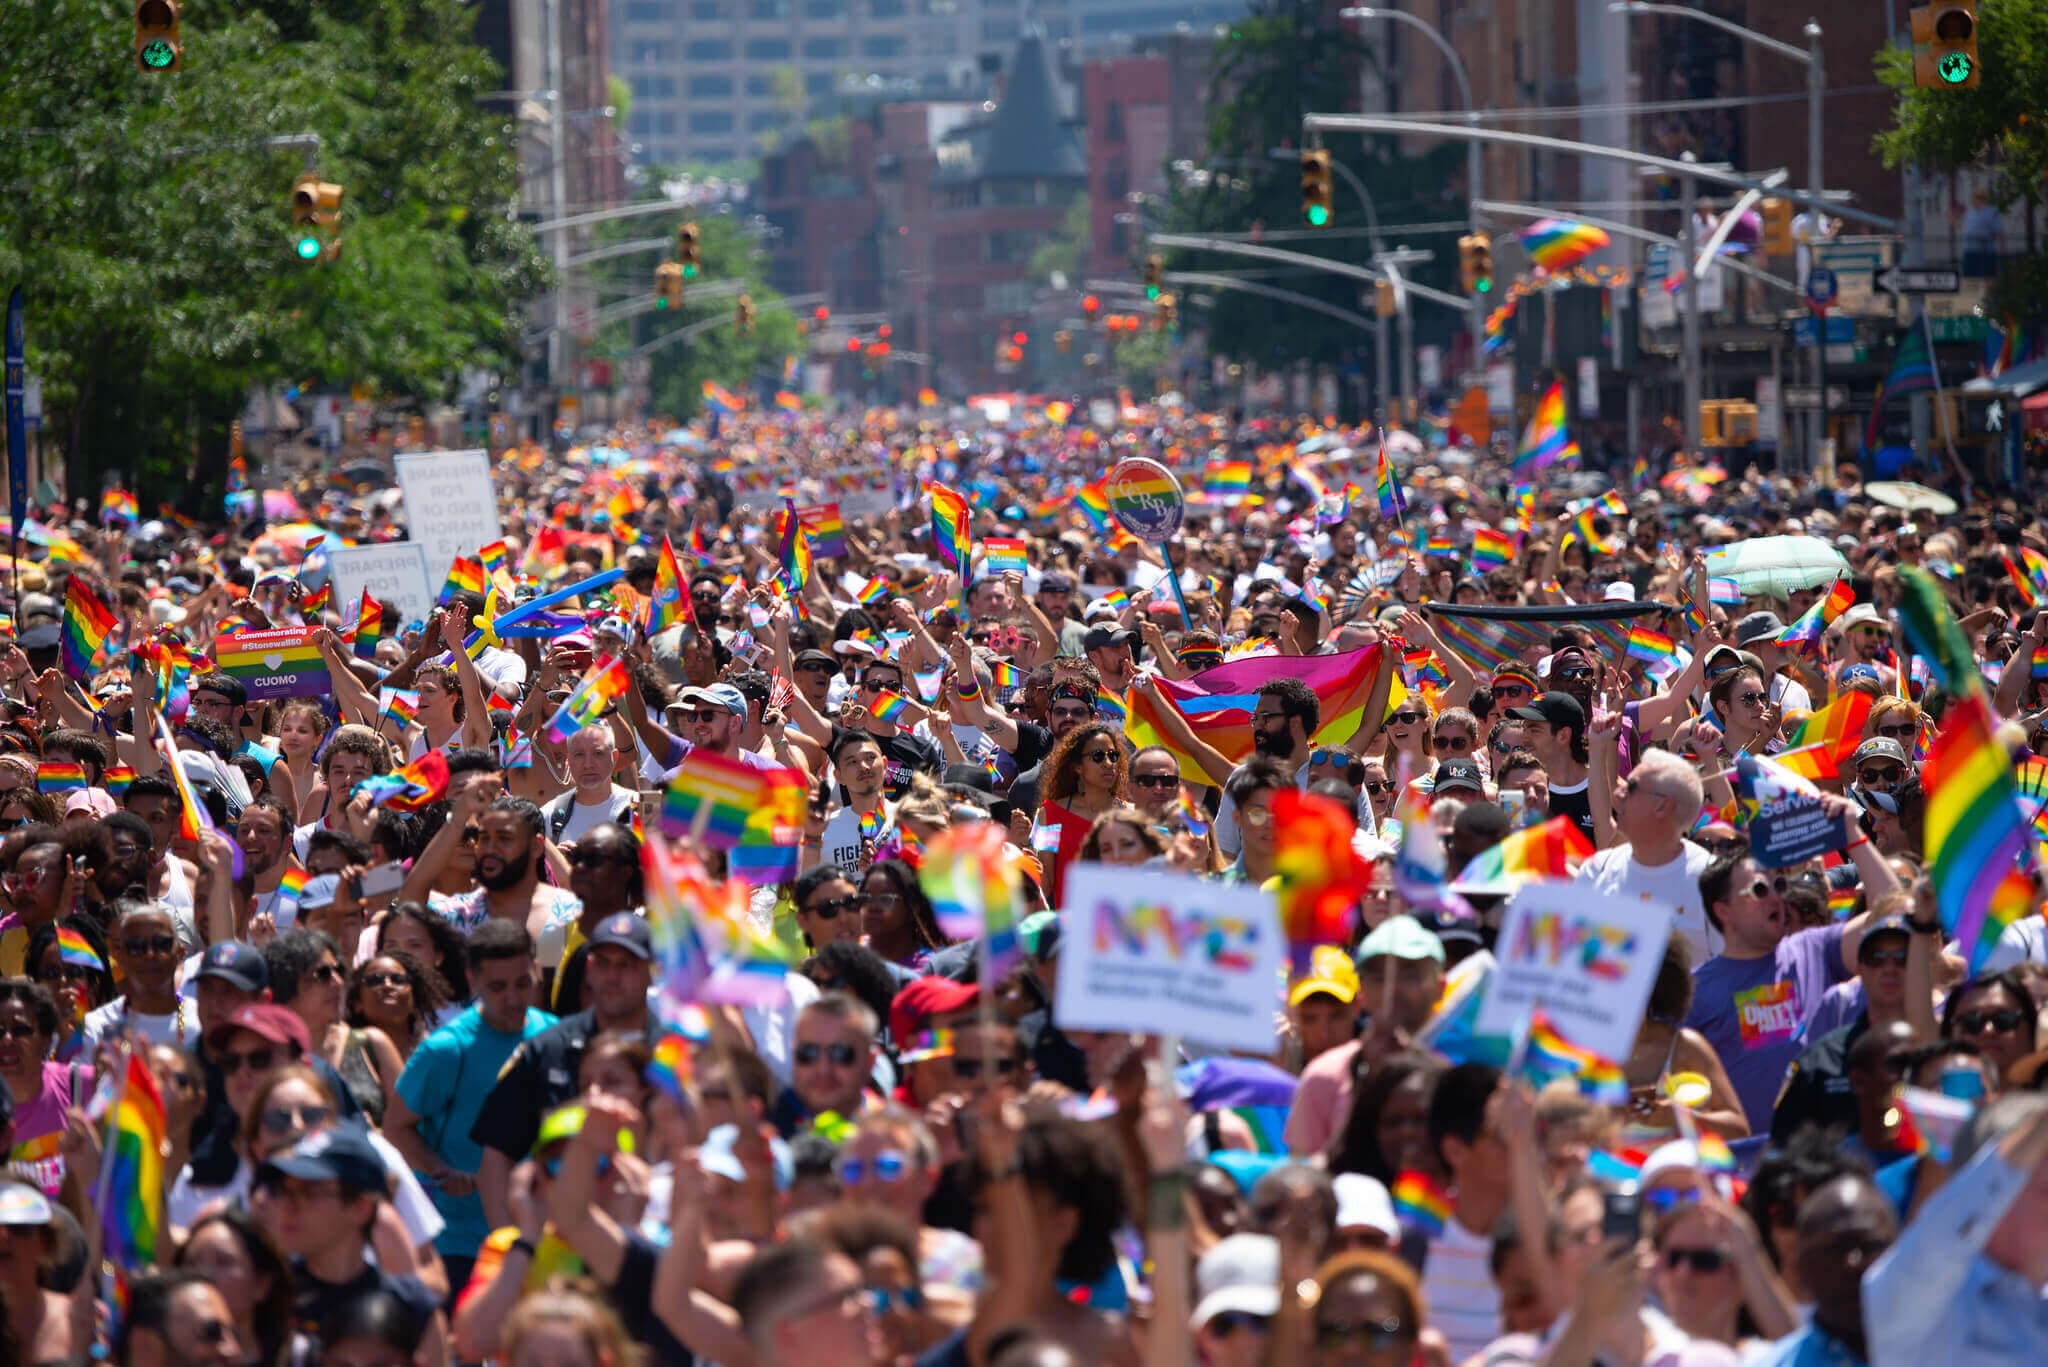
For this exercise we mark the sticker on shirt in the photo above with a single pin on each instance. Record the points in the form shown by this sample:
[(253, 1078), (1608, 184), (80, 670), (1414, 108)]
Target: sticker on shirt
[(1768, 1014)]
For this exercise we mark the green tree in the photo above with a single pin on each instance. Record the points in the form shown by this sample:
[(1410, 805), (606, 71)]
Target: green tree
[(2002, 125), (147, 218), (1067, 248)]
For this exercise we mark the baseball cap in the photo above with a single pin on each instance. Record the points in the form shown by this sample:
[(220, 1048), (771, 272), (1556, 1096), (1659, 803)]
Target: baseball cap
[(1039, 933), (1620, 591), (1364, 1203), (814, 657), (1399, 937), (342, 1153), (1552, 709), (1891, 923), (92, 801), (1241, 1273), (1454, 775), (1758, 626), (266, 1020), (716, 1156), (1723, 657), (1331, 972), (1101, 607), (628, 932), (1879, 747), (233, 961), (1105, 638), (1860, 671), (920, 999), (1058, 581), (720, 695), (21, 1204)]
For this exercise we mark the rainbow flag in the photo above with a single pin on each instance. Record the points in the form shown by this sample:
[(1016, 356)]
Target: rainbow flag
[(972, 884), (88, 622), (413, 788), (792, 548), (465, 575), (1838, 727), (74, 949), (1554, 849), (826, 528), (669, 606), (1818, 763), (767, 852), (1441, 543), (1491, 550), (871, 592), (952, 539), (1545, 442), (59, 778), (1548, 1056), (1558, 244), (117, 778), (715, 793), (1110, 707), (131, 1216), (606, 682), (1814, 622), (670, 1069), (1005, 554), (1227, 481), (2029, 595), (1715, 1155), (1932, 632), (705, 939), (369, 627), (1217, 702), (1652, 647), (1321, 875), (1392, 505), (1589, 533), (119, 506), (721, 400), (789, 402), (888, 706), (293, 885), (1977, 836), (400, 704), (1093, 501), (1420, 1203)]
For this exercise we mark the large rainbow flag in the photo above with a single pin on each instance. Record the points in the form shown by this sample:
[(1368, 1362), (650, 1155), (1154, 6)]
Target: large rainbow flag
[(1545, 442), (1217, 703), (1976, 833)]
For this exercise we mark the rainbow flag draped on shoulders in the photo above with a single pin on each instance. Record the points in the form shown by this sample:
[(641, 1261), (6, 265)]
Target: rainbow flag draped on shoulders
[(1217, 703)]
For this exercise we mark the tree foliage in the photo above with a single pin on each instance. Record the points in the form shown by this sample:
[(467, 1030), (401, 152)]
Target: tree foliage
[(148, 219)]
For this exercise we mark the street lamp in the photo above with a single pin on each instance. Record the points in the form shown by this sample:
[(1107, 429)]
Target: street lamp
[(1472, 158)]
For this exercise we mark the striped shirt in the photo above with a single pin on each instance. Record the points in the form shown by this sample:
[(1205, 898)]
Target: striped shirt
[(1457, 1284)]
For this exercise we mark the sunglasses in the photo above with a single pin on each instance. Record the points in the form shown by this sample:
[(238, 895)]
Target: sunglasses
[(386, 980), (817, 667), (1102, 756), (830, 909), (325, 973), (1574, 674), (1407, 718), (21, 1031), (1888, 776), (285, 1119), (1071, 713), (152, 945), (874, 685), (1161, 782), (1316, 758), (1764, 887), (1459, 744), (841, 1055), (704, 716), (1504, 691), (1749, 697), (553, 1166), (1899, 732), (1705, 1261), (883, 1299), (1372, 1335), (1228, 1323), (65, 973), (2005, 1020), (1879, 958), (970, 1069), (256, 1060), (886, 1167), (1379, 787)]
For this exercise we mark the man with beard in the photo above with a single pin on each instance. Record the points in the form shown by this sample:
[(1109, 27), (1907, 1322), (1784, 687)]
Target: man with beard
[(541, 1074), (265, 834), (511, 836)]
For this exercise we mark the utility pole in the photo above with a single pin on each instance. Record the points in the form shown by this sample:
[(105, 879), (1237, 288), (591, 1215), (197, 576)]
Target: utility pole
[(558, 201)]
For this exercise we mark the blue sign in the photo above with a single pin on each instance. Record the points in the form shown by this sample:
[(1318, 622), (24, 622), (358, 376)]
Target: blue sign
[(1820, 285), (1841, 331)]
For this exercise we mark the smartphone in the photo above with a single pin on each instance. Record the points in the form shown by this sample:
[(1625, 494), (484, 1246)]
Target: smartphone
[(380, 879), (1621, 1215), (1515, 803), (577, 660)]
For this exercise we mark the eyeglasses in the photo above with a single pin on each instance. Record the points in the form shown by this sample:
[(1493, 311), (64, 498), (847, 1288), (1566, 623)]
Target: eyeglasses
[(886, 1167), (2005, 1020), (818, 667), (470, 835), (883, 900), (552, 1167), (883, 1299), (1405, 718), (1102, 756), (1373, 1335), (1749, 697), (386, 980), (20, 1031), (325, 973), (1879, 958), (874, 685), (152, 945), (1899, 732), (256, 1060), (830, 908), (1229, 1322), (285, 1119), (1071, 714), (704, 716), (65, 973), (1160, 782), (841, 1055), (1459, 744), (969, 1069), (1318, 758), (1705, 1261)]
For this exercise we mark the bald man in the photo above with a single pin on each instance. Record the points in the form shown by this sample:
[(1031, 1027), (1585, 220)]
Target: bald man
[(592, 757)]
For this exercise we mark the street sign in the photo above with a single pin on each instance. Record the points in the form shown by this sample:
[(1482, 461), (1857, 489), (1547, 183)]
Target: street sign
[(1820, 286), (1808, 396), (1917, 280), (1840, 331)]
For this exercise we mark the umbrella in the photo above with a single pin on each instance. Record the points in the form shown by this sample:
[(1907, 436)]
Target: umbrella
[(1777, 565), (1911, 497), (1401, 442)]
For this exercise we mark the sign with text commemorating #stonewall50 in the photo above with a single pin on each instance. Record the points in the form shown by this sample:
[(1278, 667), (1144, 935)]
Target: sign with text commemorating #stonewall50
[(1587, 959), (450, 505), (1169, 954)]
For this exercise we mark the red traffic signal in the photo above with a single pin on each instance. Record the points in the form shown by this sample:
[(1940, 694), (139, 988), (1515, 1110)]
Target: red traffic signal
[(1019, 339), (853, 344), (1091, 306), (821, 313)]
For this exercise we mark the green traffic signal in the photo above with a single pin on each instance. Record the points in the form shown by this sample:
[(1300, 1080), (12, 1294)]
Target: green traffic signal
[(689, 270), (1151, 291), (1318, 216), (157, 54), (1484, 284), (1955, 67), (307, 247), (660, 303)]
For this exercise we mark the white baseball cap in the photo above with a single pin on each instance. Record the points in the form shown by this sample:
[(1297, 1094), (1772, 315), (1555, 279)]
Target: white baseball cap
[(1242, 1273), (1364, 1203)]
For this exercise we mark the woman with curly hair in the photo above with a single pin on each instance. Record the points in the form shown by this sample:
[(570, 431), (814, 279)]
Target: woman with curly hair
[(1086, 774), (433, 944), (897, 917), (397, 994)]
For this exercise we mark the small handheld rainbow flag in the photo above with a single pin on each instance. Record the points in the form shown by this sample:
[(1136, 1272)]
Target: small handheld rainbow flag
[(1227, 481), (1815, 621), (400, 704), (57, 777), (74, 949), (88, 622), (1420, 1203), (293, 885), (132, 1181), (117, 778), (606, 682), (412, 788), (670, 1069), (792, 548), (464, 576), (1549, 1056), (1093, 501), (1392, 505), (972, 884), (888, 706), (952, 538), (1552, 850), (119, 506), (710, 798), (369, 627), (1652, 647), (1836, 728), (1545, 442), (1976, 835), (1491, 550), (826, 527)]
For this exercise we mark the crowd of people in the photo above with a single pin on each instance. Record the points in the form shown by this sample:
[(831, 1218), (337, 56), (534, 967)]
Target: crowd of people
[(394, 956)]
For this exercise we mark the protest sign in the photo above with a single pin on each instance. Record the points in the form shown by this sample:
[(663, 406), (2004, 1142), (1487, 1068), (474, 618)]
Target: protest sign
[(275, 664), (1783, 812), (826, 528), (1587, 959), (1170, 954), (394, 572), (451, 507)]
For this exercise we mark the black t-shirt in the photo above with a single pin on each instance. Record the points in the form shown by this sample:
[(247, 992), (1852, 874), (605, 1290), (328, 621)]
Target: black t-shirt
[(903, 754), (1034, 743), (1578, 805), (313, 1300), (632, 1295), (216, 1131), (540, 1075)]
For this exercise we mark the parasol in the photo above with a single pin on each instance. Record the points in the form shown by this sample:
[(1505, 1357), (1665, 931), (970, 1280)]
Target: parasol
[(1777, 565), (1910, 497)]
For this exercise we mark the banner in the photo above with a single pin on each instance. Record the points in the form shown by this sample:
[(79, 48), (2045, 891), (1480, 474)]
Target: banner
[(1787, 823), (1587, 959), (394, 572), (451, 507), (275, 664), (1163, 953)]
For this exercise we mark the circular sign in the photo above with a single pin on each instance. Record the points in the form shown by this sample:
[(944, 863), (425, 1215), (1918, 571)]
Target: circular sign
[(1820, 285), (1146, 499)]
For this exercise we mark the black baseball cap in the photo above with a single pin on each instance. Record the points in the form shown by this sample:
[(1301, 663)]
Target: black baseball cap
[(234, 962), (1455, 774), (1104, 638), (628, 932), (1553, 709)]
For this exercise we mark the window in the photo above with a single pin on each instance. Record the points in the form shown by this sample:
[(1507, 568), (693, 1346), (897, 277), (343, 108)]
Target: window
[(1113, 121), (646, 12), (760, 87), (818, 83), (762, 123), (887, 9), (824, 9), (884, 46), (768, 9), (639, 124), (711, 121), (767, 49), (707, 50), (653, 87), (708, 9), (824, 49), (711, 87)]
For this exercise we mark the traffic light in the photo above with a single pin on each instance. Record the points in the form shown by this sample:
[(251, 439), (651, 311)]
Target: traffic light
[(743, 315), (1945, 45), (1063, 341), (822, 314), (853, 344), (1090, 306), (1168, 313), (1155, 272), (316, 218), (686, 251), (668, 286), (1475, 262), (885, 332), (1317, 205), (156, 36), (1777, 215), (1383, 298)]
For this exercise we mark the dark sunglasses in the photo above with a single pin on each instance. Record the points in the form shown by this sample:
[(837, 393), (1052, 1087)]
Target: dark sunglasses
[(1407, 718), (386, 980), (2005, 1020), (154, 944), (1881, 957), (972, 1068), (841, 1055), (1103, 756), (1229, 1322), (1573, 674), (1702, 1260), (830, 909), (1159, 781), (256, 1060), (1373, 1335), (1900, 732), (1379, 787), (21, 1031), (1459, 744), (285, 1119), (1749, 697)]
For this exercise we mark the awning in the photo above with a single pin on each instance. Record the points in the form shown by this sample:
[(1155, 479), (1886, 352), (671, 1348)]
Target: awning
[(2021, 380)]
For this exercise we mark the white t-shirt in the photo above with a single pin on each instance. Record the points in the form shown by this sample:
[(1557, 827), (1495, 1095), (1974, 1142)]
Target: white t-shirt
[(2024, 939), (1457, 1284), (841, 839), (1789, 694), (1616, 872), (179, 1028), (617, 806), (423, 1223)]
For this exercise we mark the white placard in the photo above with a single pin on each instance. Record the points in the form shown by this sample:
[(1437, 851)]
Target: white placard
[(1589, 387), (394, 572), (1587, 959), (1167, 954), (451, 508)]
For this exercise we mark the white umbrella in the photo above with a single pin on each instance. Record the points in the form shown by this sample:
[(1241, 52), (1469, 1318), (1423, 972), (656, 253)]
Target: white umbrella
[(1402, 442), (1911, 497), (1777, 565)]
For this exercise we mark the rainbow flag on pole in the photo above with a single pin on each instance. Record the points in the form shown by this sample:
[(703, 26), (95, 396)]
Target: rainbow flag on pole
[(952, 538), (132, 1186), (1545, 442), (1814, 622), (606, 682), (1977, 836), (1550, 1056), (1420, 1203), (1392, 505), (88, 622), (973, 889), (710, 799), (1554, 849)]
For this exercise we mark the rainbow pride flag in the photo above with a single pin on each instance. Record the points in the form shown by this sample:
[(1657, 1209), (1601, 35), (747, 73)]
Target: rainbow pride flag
[(972, 883), (1652, 647), (118, 506), (1491, 550), (952, 538), (74, 949), (1554, 849), (887, 706), (709, 798), (1838, 727), (606, 682), (1420, 1203), (1321, 875), (1227, 481), (56, 777), (826, 529), (1093, 501), (1548, 1056), (369, 627), (133, 1184), (669, 606), (771, 841), (464, 576), (670, 1070), (1392, 505), (88, 622), (792, 548), (400, 704), (1812, 624), (1217, 702), (1977, 836), (1558, 244), (1545, 441)]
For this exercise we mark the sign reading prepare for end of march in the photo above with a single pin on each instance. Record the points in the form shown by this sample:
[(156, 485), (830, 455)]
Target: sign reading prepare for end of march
[(451, 507), (393, 572), (1170, 954), (1587, 959)]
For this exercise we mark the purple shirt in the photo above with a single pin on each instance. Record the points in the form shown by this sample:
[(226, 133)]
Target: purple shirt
[(1752, 1011)]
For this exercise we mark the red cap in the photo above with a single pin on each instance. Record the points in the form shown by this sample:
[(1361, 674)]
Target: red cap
[(926, 997), (274, 1023)]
